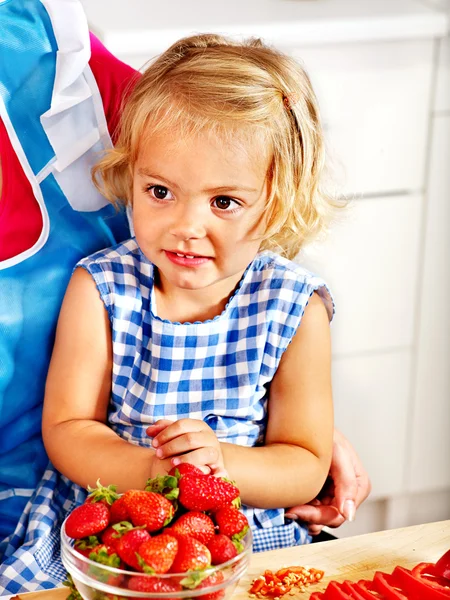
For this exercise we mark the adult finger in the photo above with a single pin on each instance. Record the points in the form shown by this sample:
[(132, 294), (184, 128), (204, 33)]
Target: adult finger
[(345, 482), (314, 515)]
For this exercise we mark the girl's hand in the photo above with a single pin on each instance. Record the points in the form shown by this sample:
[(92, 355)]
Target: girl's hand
[(188, 440)]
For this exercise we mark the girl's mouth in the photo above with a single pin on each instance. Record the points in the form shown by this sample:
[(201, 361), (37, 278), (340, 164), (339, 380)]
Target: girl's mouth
[(186, 260)]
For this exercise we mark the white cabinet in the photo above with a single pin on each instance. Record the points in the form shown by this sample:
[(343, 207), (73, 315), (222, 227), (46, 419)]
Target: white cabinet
[(372, 394), (429, 443), (369, 259), (375, 102)]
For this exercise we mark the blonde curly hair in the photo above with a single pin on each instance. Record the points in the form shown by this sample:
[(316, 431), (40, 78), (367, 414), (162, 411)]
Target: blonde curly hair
[(209, 83)]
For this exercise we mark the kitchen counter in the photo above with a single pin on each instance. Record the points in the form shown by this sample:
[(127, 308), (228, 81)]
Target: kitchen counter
[(144, 28), (351, 558)]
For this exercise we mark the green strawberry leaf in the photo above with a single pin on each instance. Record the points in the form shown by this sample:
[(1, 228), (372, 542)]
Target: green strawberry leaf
[(99, 493), (238, 536), (74, 593), (194, 579)]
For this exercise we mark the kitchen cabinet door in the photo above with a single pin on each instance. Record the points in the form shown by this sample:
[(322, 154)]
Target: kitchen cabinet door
[(370, 261), (375, 100), (429, 443), (371, 396)]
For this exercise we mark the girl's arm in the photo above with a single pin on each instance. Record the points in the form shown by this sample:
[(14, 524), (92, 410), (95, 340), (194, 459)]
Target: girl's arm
[(292, 466), (77, 439)]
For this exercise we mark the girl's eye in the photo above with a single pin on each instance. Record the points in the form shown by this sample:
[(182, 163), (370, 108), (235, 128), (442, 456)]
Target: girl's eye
[(159, 192), (225, 203)]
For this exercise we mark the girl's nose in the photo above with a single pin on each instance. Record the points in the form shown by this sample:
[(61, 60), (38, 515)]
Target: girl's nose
[(188, 223)]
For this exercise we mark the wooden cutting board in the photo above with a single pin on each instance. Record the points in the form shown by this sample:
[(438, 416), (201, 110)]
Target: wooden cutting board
[(350, 558)]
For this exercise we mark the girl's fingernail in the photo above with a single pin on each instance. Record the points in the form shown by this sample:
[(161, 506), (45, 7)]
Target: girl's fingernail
[(349, 510), (176, 461), (291, 516), (159, 453)]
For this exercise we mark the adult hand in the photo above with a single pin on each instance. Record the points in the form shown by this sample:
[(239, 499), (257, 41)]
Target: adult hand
[(188, 440), (347, 486)]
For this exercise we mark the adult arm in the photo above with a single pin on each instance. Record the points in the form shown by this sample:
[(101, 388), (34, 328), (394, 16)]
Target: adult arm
[(347, 486)]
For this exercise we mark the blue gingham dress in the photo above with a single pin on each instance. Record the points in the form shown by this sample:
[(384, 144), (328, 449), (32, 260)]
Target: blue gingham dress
[(217, 370)]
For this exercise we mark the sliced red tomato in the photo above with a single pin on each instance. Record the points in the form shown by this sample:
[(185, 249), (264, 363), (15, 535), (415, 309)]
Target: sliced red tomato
[(317, 596)]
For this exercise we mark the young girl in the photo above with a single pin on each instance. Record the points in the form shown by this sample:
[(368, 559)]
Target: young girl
[(198, 340)]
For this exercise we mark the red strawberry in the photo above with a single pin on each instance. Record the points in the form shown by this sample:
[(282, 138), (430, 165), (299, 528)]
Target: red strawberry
[(154, 585), (183, 469), (232, 522), (85, 545), (128, 546), (205, 492), (148, 508), (196, 524), (87, 519), (112, 534), (118, 511), (192, 555), (222, 549), (215, 579), (158, 553)]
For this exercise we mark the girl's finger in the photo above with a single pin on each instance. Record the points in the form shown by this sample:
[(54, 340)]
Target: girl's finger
[(187, 443), (205, 456), (157, 427), (177, 429)]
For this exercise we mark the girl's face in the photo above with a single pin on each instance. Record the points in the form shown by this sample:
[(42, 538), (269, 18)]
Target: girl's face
[(197, 210)]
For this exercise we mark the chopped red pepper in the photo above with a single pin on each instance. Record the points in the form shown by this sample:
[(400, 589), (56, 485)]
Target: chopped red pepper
[(367, 588), (335, 591), (417, 586), (284, 580), (384, 584), (355, 592), (442, 567)]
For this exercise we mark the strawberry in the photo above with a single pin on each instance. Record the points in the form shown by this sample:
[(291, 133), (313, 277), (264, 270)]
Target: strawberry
[(128, 545), (113, 533), (148, 508), (232, 522), (154, 585), (214, 579), (85, 545), (222, 549), (118, 511), (183, 469), (87, 519), (157, 554), (192, 555), (196, 524), (205, 492)]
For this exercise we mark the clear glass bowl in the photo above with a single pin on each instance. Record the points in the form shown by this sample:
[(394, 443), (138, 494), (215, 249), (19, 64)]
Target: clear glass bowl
[(99, 582)]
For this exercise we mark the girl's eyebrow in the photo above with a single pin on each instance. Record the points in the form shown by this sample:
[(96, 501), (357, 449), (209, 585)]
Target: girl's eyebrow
[(223, 188)]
